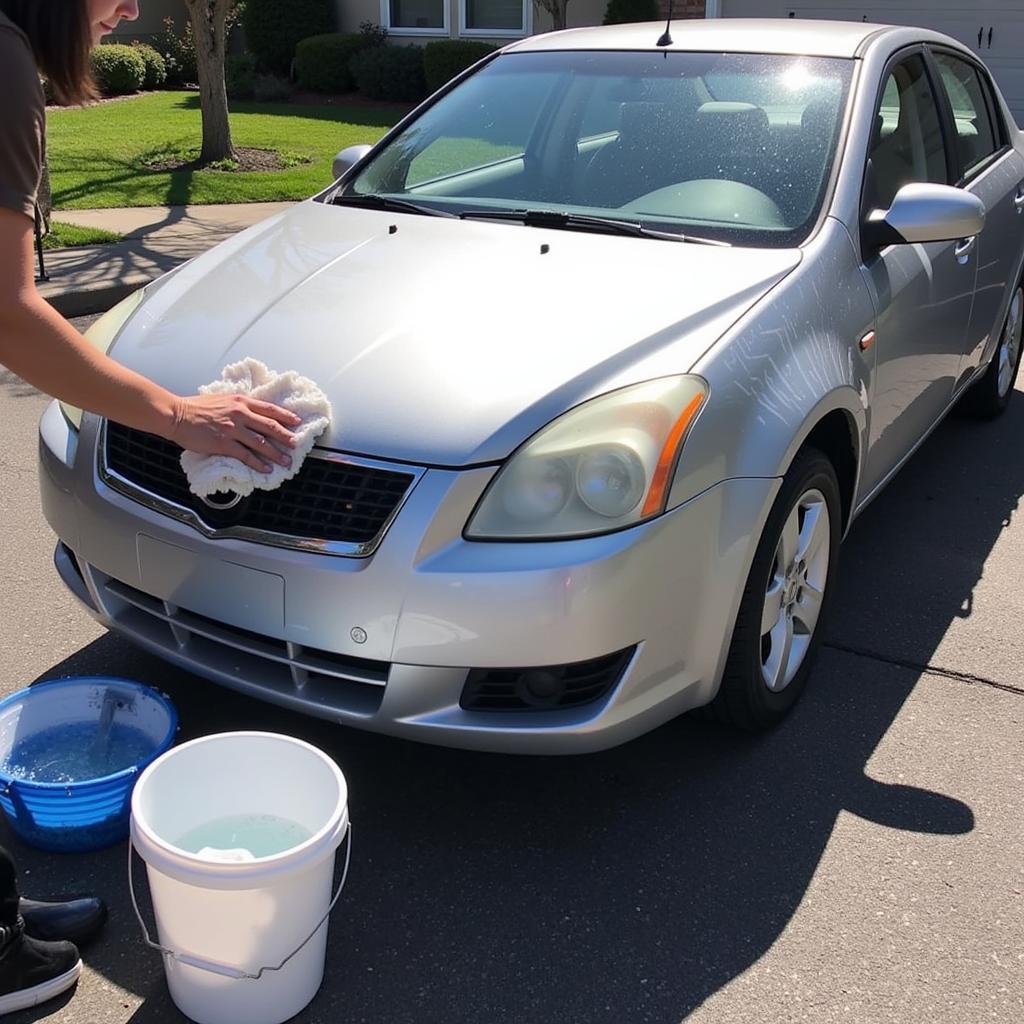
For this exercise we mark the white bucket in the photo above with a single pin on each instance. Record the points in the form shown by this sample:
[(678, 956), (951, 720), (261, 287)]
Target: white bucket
[(225, 928)]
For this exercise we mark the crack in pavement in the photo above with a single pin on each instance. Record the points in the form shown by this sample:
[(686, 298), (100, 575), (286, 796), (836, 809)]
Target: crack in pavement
[(914, 666)]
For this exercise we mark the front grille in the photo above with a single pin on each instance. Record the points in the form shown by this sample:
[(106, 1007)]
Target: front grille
[(329, 499), (240, 656), (543, 689)]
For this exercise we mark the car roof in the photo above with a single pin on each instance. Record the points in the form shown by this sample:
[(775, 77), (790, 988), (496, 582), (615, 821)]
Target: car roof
[(726, 35)]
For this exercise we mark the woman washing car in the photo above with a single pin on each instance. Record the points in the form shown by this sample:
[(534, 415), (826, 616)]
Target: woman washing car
[(53, 38)]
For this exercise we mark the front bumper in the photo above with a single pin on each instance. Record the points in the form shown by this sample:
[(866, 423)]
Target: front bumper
[(386, 642)]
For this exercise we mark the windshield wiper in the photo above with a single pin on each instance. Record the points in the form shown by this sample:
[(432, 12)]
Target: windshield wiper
[(378, 202), (586, 222)]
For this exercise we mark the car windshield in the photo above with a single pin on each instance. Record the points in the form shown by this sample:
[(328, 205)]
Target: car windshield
[(730, 147)]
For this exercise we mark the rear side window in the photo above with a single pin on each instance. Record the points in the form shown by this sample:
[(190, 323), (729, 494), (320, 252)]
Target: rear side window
[(977, 137)]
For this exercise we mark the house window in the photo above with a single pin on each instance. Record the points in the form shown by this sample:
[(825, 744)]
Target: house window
[(424, 16), (495, 17)]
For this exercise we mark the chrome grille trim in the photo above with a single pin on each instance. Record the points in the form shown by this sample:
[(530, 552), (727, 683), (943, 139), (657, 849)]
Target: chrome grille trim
[(316, 545)]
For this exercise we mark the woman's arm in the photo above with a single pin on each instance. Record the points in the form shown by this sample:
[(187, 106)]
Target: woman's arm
[(42, 348)]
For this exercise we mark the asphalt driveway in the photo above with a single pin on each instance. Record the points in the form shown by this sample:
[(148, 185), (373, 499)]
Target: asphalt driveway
[(862, 863)]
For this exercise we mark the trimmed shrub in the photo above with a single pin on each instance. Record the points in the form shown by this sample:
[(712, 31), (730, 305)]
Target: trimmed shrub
[(156, 66), (373, 33), (624, 12), (271, 89), (390, 73), (322, 62), (117, 70), (240, 76), (178, 52), (273, 29), (443, 60)]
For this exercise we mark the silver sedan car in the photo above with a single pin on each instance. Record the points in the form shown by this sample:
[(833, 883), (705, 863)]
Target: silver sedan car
[(621, 331)]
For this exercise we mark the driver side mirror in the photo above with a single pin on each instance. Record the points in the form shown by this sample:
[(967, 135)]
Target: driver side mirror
[(922, 212), (348, 158)]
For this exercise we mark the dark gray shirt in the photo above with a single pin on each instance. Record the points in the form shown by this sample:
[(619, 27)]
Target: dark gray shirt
[(23, 123)]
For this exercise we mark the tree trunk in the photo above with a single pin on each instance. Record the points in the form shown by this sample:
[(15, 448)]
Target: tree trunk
[(210, 33), (556, 8)]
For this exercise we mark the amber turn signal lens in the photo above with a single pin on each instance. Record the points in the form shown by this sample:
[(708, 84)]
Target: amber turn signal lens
[(658, 492)]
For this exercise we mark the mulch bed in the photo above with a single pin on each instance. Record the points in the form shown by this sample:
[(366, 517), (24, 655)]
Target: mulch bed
[(106, 99), (247, 160)]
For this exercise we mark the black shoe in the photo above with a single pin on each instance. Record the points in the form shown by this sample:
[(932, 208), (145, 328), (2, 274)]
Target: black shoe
[(76, 920), (32, 971)]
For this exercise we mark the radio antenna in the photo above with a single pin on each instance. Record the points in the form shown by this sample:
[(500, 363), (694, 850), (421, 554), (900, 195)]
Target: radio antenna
[(666, 36)]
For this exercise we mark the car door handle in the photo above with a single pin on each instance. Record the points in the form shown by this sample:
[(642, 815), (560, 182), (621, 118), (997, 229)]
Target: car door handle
[(1018, 199), (964, 247)]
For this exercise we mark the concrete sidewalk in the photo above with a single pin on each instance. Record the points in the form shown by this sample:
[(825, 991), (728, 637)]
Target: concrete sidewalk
[(91, 278)]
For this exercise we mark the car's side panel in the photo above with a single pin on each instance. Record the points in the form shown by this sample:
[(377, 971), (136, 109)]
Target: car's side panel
[(876, 54), (923, 294), (999, 183), (789, 362), (999, 258), (976, 122)]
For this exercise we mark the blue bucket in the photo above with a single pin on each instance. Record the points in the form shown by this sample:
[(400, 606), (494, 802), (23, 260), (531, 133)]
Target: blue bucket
[(70, 752)]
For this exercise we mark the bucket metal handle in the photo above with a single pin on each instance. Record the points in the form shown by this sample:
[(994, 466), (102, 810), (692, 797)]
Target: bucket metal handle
[(226, 970)]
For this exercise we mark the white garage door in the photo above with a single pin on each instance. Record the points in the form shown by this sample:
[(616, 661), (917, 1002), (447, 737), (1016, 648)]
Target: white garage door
[(994, 29)]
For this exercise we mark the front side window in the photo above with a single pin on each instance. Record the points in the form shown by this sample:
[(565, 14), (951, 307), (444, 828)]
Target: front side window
[(907, 142), (976, 136), (734, 147), (417, 15)]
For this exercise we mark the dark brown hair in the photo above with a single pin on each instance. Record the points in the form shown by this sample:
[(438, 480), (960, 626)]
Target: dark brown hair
[(61, 39)]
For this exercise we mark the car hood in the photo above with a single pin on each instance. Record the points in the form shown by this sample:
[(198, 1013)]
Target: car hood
[(442, 341)]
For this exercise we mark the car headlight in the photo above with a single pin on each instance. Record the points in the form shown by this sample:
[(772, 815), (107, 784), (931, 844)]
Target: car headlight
[(604, 465), (102, 335)]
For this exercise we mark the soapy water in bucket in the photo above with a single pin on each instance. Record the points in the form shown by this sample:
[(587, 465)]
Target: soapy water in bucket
[(240, 837), (77, 751)]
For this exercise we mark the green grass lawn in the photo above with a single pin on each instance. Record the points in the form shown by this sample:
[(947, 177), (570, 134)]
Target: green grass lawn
[(62, 235), (97, 154)]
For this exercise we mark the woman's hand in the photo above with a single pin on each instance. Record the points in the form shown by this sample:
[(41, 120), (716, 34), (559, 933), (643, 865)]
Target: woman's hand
[(246, 429)]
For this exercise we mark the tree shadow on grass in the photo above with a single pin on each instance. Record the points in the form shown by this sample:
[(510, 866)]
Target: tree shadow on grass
[(123, 174)]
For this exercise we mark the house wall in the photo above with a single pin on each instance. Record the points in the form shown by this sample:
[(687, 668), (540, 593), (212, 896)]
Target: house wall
[(352, 13), (994, 29), (579, 13), (150, 20)]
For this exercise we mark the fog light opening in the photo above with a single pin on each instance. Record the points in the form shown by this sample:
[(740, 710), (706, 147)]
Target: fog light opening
[(540, 688)]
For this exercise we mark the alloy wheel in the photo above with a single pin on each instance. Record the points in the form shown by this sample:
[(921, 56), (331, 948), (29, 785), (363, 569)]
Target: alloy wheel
[(796, 589)]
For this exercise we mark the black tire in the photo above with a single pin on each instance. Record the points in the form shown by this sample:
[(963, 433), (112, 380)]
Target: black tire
[(984, 399), (744, 699)]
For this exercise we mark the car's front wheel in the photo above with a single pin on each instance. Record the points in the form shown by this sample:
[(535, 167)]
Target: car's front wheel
[(778, 627), (990, 396)]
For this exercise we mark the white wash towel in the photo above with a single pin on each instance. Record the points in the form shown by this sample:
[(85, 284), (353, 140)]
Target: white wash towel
[(208, 474)]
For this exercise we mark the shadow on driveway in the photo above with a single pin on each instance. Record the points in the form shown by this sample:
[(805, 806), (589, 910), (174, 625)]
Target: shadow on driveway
[(630, 885)]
